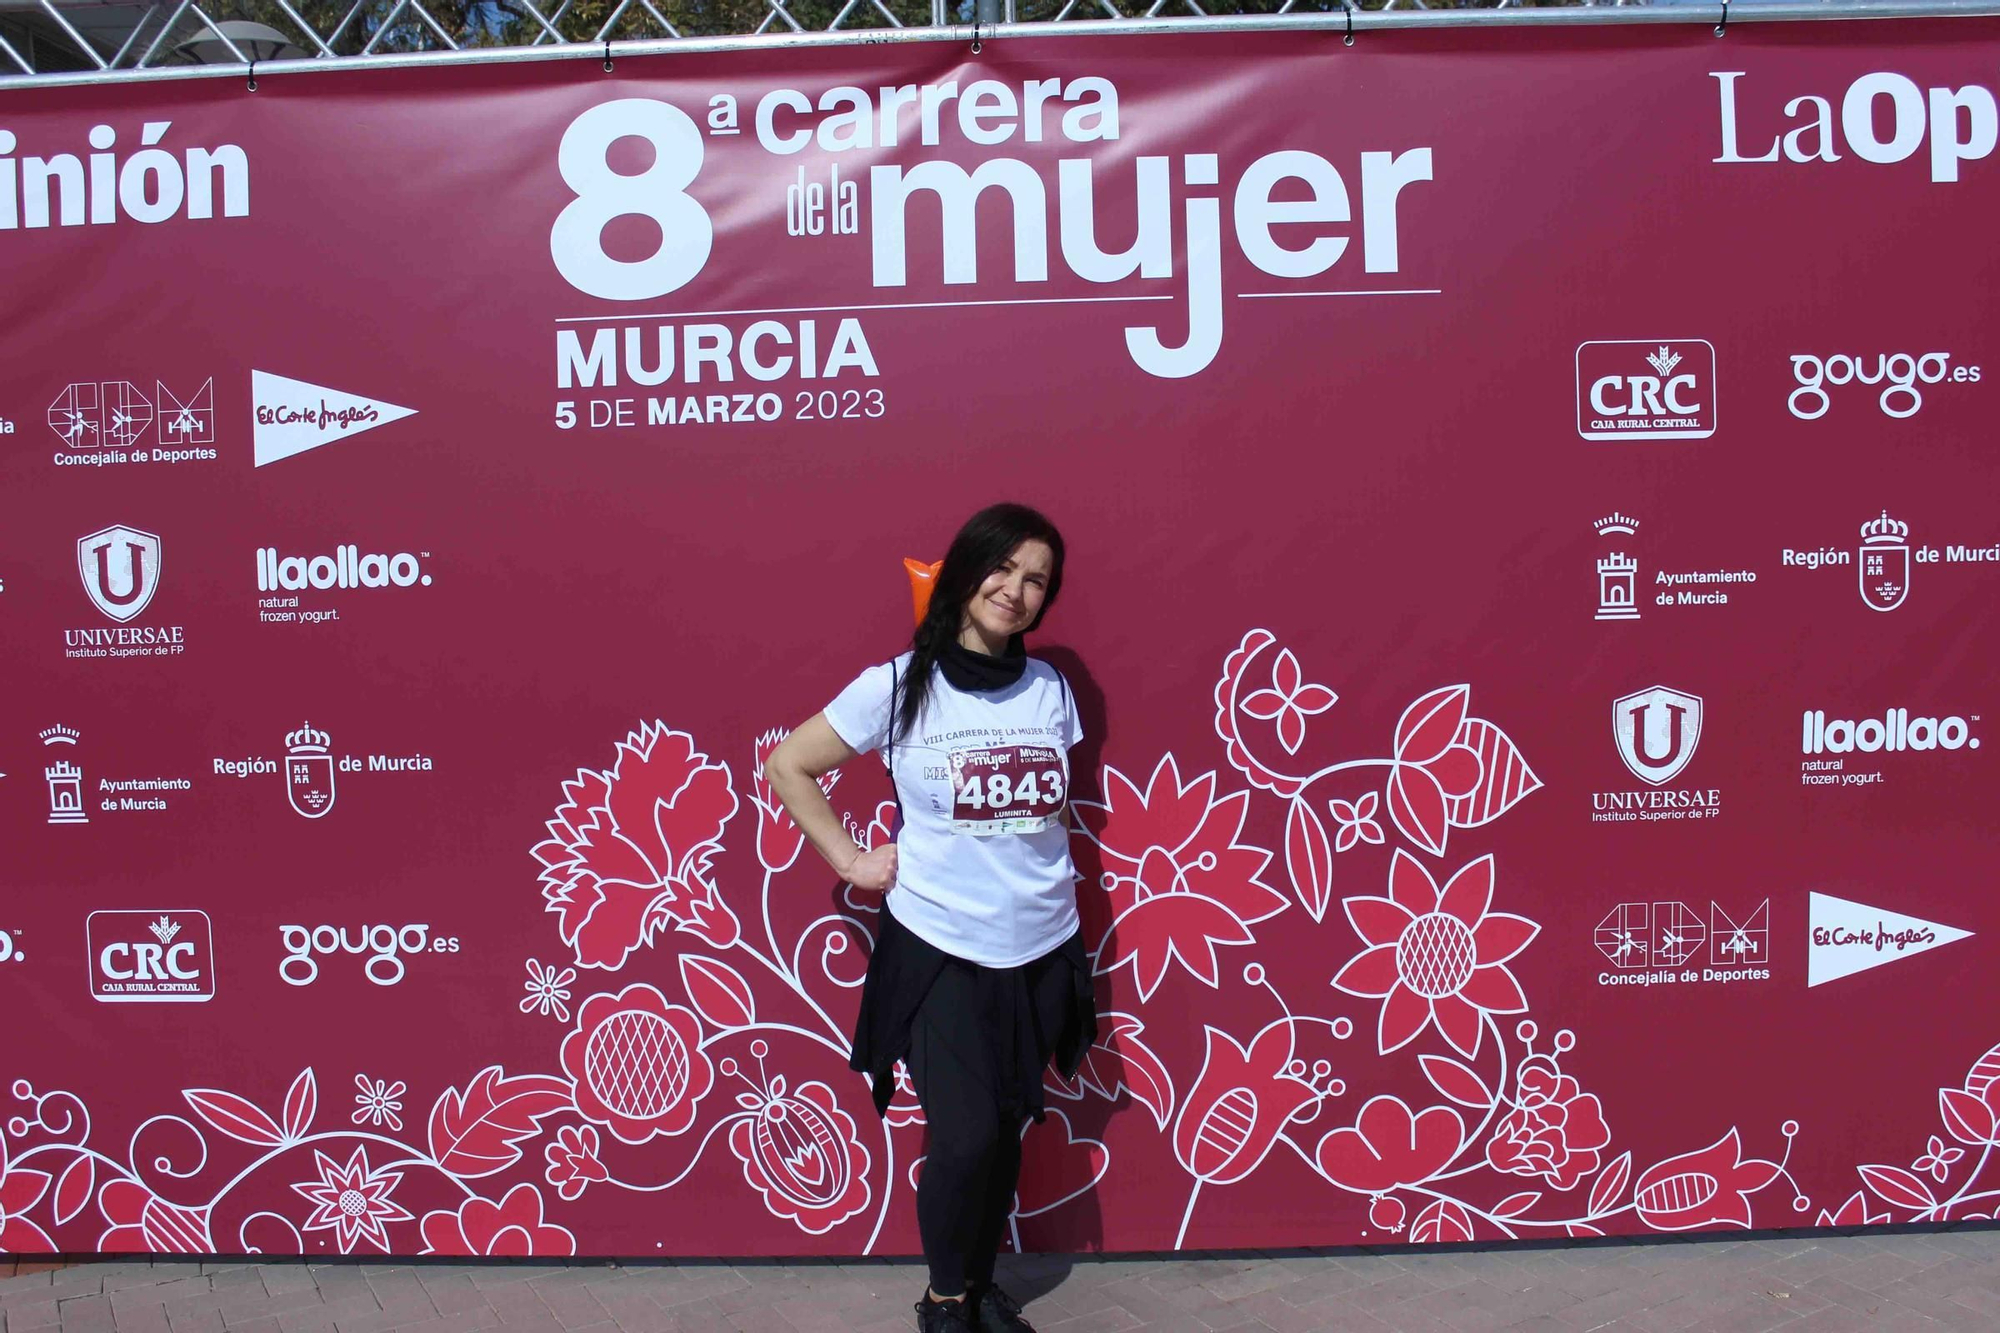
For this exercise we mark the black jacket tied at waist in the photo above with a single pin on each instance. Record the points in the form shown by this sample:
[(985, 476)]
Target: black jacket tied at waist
[(901, 973)]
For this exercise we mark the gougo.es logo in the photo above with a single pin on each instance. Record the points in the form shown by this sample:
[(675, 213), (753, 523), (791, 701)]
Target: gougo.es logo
[(385, 946), (1901, 376)]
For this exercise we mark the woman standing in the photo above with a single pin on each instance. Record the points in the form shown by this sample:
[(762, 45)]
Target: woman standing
[(979, 974)]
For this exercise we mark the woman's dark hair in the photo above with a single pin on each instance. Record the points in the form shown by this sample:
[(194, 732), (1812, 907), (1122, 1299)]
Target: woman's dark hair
[(981, 546)]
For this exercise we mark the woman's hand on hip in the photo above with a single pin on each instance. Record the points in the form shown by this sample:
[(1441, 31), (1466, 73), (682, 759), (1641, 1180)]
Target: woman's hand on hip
[(874, 870)]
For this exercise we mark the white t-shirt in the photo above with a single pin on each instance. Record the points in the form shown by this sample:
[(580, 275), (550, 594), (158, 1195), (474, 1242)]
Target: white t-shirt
[(983, 869)]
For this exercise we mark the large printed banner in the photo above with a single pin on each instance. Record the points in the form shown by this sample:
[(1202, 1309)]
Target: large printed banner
[(1532, 594)]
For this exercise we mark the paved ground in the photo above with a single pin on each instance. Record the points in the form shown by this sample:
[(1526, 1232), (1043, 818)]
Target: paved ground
[(1812, 1284)]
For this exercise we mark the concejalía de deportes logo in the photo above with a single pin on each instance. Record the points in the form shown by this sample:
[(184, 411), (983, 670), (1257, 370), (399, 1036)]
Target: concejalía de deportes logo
[(967, 121)]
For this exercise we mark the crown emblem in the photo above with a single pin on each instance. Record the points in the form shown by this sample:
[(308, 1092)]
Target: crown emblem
[(1616, 522), (1884, 529), (1663, 360), (164, 929), (307, 740), (59, 735)]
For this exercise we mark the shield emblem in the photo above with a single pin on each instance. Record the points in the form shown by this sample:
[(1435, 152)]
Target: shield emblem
[(1885, 574), (309, 783), (121, 570), (1656, 731)]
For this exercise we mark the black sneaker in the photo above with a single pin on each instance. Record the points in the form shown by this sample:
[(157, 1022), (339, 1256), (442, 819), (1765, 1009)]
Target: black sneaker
[(996, 1311), (944, 1316)]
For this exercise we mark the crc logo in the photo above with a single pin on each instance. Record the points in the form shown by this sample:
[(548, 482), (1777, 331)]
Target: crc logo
[(384, 946), (163, 957), (121, 570), (1899, 374), (659, 193), (1645, 389), (1657, 730)]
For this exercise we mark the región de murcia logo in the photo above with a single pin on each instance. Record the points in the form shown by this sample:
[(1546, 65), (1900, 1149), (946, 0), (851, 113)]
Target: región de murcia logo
[(312, 768)]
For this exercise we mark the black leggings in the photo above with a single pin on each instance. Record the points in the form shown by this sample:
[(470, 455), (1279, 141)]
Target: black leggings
[(962, 1053)]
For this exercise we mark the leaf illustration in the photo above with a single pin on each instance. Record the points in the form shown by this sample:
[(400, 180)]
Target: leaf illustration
[(1417, 805), (1308, 858), (1969, 1118), (300, 1103), (1428, 725), (1610, 1185), (1118, 1059), (1899, 1187), (74, 1187), (1457, 1082), (1445, 1220), (235, 1116), (718, 991), (477, 1132), (1581, 1229), (1516, 1204)]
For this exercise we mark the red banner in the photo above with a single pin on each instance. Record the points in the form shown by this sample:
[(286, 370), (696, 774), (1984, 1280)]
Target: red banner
[(1530, 501)]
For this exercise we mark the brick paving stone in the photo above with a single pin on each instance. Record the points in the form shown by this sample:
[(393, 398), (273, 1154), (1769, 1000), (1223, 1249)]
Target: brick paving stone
[(145, 1317), (32, 1315), (1820, 1282)]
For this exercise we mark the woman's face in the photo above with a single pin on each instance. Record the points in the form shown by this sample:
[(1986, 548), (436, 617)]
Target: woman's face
[(1011, 597)]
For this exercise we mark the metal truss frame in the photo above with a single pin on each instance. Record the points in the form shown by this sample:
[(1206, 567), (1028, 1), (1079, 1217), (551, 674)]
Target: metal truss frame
[(859, 22)]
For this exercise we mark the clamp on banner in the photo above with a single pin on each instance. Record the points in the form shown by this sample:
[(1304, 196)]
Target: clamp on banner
[(1348, 39), (1723, 27), (607, 55), (975, 36), (253, 75)]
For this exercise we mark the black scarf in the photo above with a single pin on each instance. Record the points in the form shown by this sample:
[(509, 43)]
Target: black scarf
[(977, 672)]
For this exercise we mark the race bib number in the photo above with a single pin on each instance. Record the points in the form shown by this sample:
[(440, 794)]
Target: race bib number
[(1007, 789)]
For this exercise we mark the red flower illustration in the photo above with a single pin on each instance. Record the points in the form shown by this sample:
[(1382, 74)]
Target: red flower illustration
[(778, 838), (800, 1151), (1451, 770), (1435, 956), (1554, 1131), (1387, 1146), (512, 1227), (637, 1063), (1290, 699), (353, 1201), (1432, 769), (142, 1221), (631, 848), (1707, 1188), (1239, 1102), (21, 1188), (1176, 882), (1357, 821), (573, 1160), (904, 1108)]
